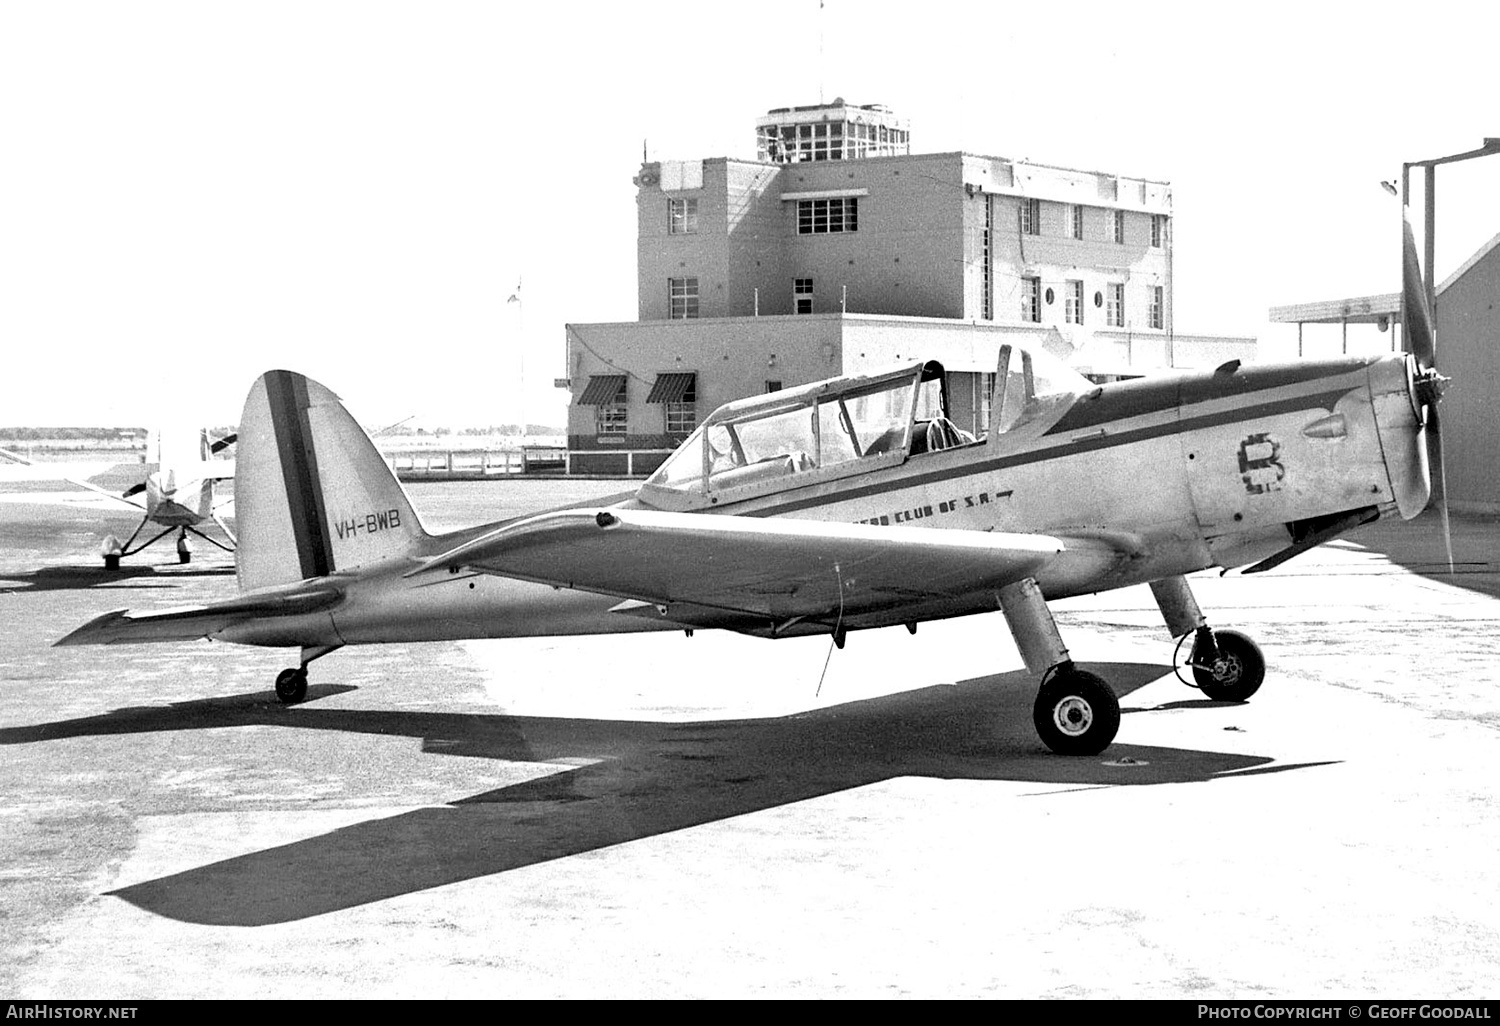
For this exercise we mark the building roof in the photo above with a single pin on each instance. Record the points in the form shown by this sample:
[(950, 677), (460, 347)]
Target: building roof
[(1367, 309), (1355, 310), (1479, 254)]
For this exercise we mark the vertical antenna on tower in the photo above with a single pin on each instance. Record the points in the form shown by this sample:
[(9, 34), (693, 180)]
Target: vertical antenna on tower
[(820, 53)]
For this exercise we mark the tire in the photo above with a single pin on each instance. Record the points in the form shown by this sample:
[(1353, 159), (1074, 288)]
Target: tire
[(291, 685), (1076, 713), (1238, 674)]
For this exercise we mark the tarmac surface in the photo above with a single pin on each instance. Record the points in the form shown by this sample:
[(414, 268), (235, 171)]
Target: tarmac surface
[(658, 816)]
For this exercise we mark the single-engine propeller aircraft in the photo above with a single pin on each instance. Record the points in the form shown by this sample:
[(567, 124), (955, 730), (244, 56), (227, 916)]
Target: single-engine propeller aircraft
[(843, 505), (179, 493)]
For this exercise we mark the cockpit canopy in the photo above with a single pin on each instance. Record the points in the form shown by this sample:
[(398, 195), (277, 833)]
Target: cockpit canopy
[(830, 429)]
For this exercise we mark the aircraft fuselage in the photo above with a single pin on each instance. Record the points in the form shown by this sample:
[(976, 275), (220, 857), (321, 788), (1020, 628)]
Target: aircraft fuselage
[(1144, 480)]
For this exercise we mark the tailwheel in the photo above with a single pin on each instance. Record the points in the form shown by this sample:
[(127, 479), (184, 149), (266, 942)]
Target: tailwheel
[(1076, 712), (291, 685), (1236, 670)]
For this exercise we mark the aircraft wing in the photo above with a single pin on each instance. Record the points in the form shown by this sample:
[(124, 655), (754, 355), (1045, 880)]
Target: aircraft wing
[(18, 458), (741, 572), (189, 623)]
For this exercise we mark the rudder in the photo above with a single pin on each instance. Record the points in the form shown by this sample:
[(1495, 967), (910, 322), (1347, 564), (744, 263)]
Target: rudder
[(312, 494)]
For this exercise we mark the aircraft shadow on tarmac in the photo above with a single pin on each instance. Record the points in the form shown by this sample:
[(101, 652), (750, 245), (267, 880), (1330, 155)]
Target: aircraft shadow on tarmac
[(55, 578), (1418, 548), (650, 778)]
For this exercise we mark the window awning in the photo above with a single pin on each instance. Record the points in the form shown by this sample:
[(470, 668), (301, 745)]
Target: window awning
[(603, 389), (670, 388), (825, 194)]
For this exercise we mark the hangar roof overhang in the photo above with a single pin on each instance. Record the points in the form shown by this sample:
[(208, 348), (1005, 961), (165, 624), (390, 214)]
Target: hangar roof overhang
[(1356, 310), (1367, 309)]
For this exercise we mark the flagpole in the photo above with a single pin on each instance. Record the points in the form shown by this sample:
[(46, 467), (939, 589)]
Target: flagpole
[(521, 353)]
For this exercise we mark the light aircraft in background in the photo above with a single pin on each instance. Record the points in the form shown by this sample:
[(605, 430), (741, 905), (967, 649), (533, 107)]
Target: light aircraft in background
[(846, 505), (178, 495)]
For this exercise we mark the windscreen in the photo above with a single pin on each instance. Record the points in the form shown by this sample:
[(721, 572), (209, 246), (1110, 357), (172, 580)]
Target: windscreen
[(736, 447)]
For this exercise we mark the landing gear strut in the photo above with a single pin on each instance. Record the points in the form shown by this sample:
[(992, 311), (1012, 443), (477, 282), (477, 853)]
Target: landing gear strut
[(1076, 712), (1227, 666), (112, 550), (291, 683)]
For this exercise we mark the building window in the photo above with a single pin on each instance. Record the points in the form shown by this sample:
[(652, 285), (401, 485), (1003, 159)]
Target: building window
[(1158, 228), (1031, 299), (1031, 217), (1075, 221), (1120, 227), (682, 416), (839, 139), (606, 394), (1073, 302), (772, 386), (1114, 307), (682, 216), (828, 216), (682, 297), (610, 419), (802, 295), (1156, 306), (677, 392)]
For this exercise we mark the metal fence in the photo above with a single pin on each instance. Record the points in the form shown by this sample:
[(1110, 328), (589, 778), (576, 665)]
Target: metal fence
[(475, 464)]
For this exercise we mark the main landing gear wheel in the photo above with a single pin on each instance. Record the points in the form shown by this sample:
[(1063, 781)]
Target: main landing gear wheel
[(1076, 713), (1238, 671), (291, 685)]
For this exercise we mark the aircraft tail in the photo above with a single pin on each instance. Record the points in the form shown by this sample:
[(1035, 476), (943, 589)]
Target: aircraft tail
[(312, 494)]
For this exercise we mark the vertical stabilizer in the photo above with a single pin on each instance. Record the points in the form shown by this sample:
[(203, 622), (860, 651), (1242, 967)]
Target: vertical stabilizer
[(312, 495)]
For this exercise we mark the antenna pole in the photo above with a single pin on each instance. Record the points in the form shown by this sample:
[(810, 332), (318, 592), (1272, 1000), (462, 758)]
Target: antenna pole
[(820, 53)]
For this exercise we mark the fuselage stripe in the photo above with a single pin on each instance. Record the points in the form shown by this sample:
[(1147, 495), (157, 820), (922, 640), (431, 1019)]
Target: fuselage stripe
[(1320, 401)]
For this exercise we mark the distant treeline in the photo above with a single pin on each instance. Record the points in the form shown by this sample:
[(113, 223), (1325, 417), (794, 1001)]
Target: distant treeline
[(84, 434), (505, 429), (128, 434)]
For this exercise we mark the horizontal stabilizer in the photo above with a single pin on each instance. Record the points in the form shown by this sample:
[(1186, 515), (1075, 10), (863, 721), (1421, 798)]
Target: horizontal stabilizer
[(189, 623), (80, 482), (776, 569)]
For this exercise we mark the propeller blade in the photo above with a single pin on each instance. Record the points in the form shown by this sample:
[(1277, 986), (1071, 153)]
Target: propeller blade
[(1421, 341), (1415, 314), (134, 489), (1439, 477)]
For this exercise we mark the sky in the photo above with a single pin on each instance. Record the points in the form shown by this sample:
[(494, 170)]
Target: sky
[(194, 193)]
